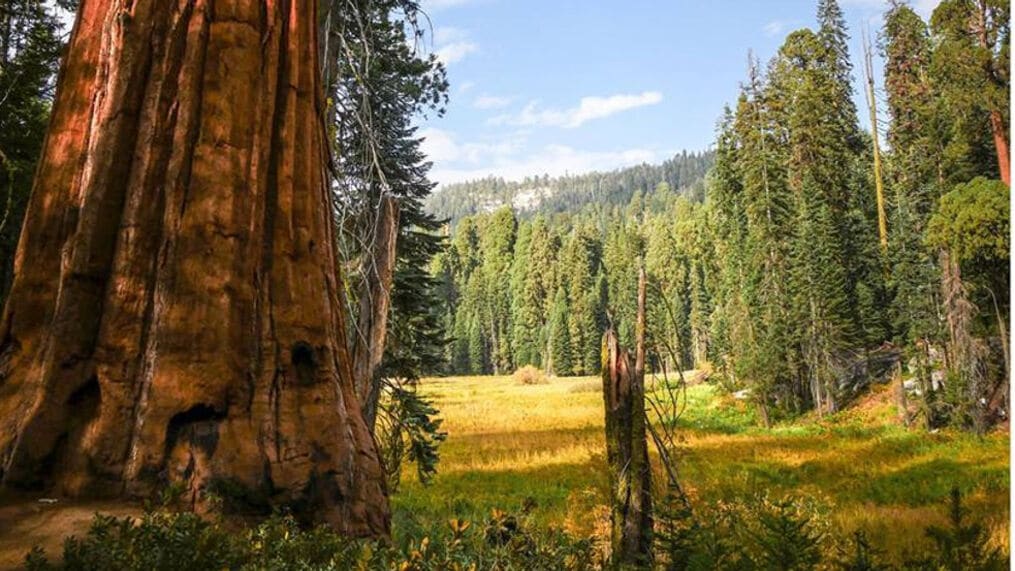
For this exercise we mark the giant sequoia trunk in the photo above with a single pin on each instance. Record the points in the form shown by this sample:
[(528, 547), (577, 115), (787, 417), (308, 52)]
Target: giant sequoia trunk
[(174, 313), (1000, 133)]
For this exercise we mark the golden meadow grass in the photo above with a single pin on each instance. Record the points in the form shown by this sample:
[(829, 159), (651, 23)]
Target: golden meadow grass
[(511, 444)]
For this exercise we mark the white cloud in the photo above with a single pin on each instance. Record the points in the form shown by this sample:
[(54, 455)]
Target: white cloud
[(453, 44), (491, 102), (456, 51), (774, 28), (925, 7), (588, 108), (440, 146), (466, 86), (457, 162)]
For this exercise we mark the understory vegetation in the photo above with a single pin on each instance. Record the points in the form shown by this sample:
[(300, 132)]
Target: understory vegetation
[(522, 485)]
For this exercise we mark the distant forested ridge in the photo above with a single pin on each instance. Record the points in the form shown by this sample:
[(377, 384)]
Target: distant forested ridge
[(684, 173)]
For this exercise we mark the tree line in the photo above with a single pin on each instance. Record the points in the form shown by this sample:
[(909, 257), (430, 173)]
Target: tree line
[(777, 278), (684, 172)]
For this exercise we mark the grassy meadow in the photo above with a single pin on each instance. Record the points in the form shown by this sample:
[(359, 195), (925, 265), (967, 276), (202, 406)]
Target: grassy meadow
[(512, 446)]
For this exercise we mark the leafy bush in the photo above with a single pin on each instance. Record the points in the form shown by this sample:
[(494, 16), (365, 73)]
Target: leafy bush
[(794, 533), (529, 375), (756, 533), (961, 545), (972, 221), (167, 540)]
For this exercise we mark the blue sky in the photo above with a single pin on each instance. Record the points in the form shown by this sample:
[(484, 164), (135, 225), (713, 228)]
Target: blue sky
[(569, 86)]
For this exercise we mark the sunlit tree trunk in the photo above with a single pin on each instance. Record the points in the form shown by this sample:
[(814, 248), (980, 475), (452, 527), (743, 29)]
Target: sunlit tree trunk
[(626, 444), (1000, 134), (174, 315)]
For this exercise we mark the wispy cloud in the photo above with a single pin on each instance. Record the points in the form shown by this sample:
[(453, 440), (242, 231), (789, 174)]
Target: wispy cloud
[(774, 28), (491, 102), (588, 108), (466, 86), (453, 44), (509, 158), (925, 7), (441, 146)]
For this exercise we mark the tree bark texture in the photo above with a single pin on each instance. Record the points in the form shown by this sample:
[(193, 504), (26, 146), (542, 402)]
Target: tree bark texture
[(1000, 134), (174, 315), (627, 453), (374, 306)]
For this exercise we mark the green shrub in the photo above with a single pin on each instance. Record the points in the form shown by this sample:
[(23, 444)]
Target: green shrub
[(962, 545), (756, 533), (792, 533), (165, 540)]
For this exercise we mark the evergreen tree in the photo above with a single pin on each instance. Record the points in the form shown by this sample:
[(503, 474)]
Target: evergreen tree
[(496, 246), (378, 86), (970, 67), (915, 170), (29, 53), (525, 333), (560, 338), (766, 358), (581, 258)]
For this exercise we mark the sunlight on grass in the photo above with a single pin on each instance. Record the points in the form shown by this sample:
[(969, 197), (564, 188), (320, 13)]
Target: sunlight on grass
[(542, 445)]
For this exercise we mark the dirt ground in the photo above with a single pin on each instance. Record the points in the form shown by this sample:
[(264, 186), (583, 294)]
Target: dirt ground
[(25, 522)]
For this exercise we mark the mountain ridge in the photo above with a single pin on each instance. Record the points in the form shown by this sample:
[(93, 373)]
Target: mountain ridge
[(684, 173)]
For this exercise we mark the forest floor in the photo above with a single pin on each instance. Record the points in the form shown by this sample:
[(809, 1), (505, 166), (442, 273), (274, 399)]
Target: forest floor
[(511, 445), (26, 522)]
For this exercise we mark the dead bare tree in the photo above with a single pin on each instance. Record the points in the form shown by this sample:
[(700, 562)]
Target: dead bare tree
[(627, 446)]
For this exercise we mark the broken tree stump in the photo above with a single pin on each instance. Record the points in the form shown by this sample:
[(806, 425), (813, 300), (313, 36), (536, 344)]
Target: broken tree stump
[(626, 446)]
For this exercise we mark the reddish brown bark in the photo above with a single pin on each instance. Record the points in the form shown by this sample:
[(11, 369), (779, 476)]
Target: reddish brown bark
[(1000, 133), (174, 313)]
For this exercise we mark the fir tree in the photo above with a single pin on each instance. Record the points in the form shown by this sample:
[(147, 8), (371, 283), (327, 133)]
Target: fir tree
[(29, 52), (560, 339)]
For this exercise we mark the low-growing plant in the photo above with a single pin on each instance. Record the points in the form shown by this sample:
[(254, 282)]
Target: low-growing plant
[(529, 375), (595, 386), (794, 533), (962, 544), (163, 539)]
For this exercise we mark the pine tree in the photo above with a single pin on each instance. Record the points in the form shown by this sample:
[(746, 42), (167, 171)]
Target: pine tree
[(379, 86), (542, 280), (581, 258), (970, 67), (496, 246), (478, 353), (560, 338), (29, 52), (915, 170), (622, 252), (525, 333), (766, 354)]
